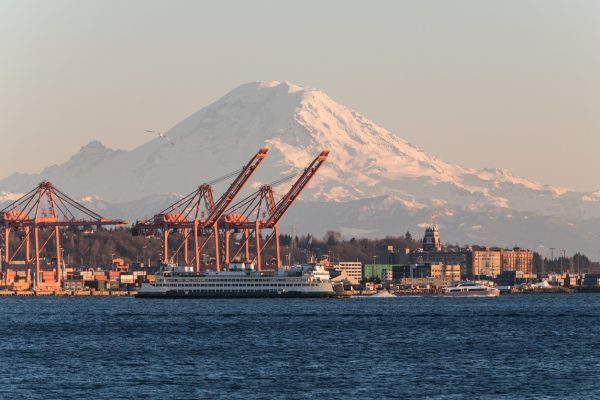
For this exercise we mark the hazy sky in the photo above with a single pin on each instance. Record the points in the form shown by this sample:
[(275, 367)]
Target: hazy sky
[(510, 84)]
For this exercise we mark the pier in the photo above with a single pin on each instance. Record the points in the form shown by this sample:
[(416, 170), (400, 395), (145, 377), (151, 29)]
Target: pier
[(67, 293)]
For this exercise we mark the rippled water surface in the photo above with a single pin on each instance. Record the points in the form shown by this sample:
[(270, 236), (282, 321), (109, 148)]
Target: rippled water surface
[(529, 346)]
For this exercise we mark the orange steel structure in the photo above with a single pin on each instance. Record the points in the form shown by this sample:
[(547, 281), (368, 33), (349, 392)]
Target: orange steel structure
[(260, 211), (197, 214), (44, 208)]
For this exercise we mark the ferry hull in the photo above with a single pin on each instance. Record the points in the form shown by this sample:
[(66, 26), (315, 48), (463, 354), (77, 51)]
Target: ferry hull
[(232, 295), (238, 281)]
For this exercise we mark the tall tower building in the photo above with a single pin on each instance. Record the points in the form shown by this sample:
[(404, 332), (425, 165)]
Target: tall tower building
[(432, 241)]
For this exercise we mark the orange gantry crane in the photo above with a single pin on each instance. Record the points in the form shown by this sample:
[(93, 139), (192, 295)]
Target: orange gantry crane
[(260, 212), (197, 214), (42, 212)]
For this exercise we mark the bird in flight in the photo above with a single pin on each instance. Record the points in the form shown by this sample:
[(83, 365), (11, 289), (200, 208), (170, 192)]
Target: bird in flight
[(162, 135)]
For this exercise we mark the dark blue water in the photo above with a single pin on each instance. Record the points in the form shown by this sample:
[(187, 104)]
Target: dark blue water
[(529, 346)]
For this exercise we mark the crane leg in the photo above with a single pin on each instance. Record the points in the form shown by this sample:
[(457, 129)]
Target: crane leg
[(165, 245), (247, 243), (227, 235), (217, 254), (196, 246), (258, 249), (186, 233), (58, 256), (27, 245), (37, 257), (277, 247)]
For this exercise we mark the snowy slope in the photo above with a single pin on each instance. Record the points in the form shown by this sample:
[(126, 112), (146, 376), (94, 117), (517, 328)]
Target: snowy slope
[(366, 162)]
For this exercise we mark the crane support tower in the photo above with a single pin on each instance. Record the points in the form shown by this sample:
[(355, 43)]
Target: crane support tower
[(38, 216), (261, 212), (197, 214)]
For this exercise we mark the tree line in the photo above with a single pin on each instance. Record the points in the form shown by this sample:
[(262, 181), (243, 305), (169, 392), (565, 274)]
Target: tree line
[(98, 248)]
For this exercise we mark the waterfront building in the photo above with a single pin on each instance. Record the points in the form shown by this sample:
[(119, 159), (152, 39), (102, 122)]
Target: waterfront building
[(486, 262), (460, 257), (473, 262), (383, 272), (435, 274), (432, 274), (352, 268), (446, 272), (402, 271), (432, 240), (517, 259)]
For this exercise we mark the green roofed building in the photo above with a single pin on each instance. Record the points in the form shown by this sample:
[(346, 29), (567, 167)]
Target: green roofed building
[(381, 272)]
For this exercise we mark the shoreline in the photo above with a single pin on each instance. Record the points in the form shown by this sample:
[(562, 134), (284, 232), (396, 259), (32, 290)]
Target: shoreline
[(67, 293), (414, 292)]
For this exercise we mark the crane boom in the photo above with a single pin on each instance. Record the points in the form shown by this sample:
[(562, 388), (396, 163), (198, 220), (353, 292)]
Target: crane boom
[(43, 208), (286, 201), (263, 203), (185, 215), (235, 187)]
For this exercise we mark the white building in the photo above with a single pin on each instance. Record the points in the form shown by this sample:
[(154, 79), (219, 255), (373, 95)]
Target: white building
[(353, 269)]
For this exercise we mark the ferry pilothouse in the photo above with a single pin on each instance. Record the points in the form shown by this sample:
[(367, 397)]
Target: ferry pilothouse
[(239, 280)]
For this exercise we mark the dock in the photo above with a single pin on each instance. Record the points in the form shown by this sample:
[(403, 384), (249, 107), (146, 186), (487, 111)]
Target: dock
[(68, 293)]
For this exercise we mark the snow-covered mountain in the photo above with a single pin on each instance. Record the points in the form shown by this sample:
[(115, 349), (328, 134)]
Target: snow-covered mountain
[(374, 183)]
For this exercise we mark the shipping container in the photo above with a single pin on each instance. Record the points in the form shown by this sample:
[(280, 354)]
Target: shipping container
[(112, 285), (127, 279), (91, 284)]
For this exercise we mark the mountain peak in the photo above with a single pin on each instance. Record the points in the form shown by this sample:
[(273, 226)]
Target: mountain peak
[(266, 91), (283, 86), (94, 146), (367, 162), (93, 152)]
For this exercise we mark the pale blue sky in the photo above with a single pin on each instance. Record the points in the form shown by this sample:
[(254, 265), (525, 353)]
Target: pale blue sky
[(511, 84)]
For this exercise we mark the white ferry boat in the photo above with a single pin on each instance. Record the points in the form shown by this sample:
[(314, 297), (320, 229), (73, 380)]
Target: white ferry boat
[(470, 289), (239, 280)]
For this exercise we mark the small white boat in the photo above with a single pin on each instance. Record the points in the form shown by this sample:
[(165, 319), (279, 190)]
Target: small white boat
[(384, 294), (470, 289)]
